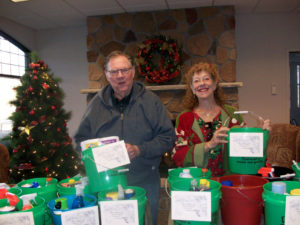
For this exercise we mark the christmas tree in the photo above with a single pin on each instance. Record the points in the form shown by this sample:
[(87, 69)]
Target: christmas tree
[(39, 142)]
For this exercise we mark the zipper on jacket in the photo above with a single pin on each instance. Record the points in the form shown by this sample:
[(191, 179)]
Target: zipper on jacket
[(122, 125)]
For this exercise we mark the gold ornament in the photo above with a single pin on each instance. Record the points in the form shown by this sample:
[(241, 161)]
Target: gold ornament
[(26, 129)]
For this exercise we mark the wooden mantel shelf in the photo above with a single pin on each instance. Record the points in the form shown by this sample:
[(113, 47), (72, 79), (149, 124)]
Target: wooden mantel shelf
[(169, 87)]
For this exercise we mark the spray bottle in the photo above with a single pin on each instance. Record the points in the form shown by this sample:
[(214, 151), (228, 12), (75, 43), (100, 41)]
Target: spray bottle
[(78, 201)]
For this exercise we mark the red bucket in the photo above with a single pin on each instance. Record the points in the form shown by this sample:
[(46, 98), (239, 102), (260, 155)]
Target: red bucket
[(241, 203)]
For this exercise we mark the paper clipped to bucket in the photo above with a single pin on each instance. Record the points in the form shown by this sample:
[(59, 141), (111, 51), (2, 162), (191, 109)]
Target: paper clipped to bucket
[(24, 218), (191, 205), (124, 212), (244, 144), (292, 210), (85, 215), (90, 143), (110, 156)]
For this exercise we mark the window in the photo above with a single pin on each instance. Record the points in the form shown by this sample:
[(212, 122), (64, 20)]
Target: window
[(12, 66)]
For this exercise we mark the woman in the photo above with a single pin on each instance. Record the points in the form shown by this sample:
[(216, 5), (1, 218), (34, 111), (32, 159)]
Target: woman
[(202, 128)]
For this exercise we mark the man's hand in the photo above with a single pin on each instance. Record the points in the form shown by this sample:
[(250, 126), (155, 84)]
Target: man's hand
[(133, 150)]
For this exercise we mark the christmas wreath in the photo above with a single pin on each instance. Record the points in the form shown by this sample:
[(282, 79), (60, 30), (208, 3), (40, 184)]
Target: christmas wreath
[(159, 59)]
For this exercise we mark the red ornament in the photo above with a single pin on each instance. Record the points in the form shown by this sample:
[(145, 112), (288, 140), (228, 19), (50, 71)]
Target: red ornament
[(45, 86), (42, 119), (53, 107), (15, 151), (31, 112), (58, 129), (35, 77), (35, 71), (31, 65), (46, 169), (66, 154), (30, 89)]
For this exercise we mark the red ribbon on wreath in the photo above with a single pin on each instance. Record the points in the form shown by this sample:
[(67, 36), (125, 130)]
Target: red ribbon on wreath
[(159, 59)]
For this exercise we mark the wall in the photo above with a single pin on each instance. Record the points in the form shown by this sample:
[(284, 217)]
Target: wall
[(64, 51), (20, 33), (263, 43)]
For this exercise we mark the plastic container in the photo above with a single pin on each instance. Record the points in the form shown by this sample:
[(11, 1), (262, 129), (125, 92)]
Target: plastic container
[(89, 200), (275, 203), (196, 173), (105, 180), (48, 192), (38, 210), (139, 195), (242, 202), (63, 190), (247, 165), (184, 185)]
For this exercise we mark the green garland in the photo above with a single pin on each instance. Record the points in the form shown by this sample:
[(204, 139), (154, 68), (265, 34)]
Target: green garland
[(159, 59)]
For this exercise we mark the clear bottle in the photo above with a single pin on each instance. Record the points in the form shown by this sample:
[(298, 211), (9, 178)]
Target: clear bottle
[(48, 181), (204, 172), (121, 193), (193, 185)]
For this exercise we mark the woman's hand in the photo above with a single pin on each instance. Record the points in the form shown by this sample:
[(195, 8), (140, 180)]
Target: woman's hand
[(265, 124), (219, 137)]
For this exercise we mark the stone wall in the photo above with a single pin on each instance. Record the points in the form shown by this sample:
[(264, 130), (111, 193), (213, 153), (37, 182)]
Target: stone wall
[(205, 34)]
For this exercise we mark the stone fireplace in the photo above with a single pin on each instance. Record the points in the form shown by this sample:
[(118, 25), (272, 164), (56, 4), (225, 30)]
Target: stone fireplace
[(205, 34)]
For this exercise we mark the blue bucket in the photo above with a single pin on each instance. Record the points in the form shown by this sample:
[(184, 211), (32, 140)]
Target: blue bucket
[(89, 200)]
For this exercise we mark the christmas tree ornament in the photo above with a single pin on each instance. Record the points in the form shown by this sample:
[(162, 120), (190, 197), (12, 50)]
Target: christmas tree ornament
[(45, 86), (25, 129)]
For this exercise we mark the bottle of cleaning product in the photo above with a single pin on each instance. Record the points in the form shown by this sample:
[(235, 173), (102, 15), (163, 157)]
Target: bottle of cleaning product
[(78, 201), (121, 194), (193, 185)]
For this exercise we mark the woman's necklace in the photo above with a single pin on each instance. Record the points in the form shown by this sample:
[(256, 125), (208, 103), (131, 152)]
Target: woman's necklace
[(207, 115)]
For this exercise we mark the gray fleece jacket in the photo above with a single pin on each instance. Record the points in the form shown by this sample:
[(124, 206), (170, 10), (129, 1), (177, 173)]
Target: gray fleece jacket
[(144, 123)]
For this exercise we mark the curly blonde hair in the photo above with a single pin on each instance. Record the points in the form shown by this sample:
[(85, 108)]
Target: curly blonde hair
[(190, 100)]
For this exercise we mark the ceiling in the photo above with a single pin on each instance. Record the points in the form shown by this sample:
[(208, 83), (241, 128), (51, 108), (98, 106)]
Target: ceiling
[(45, 14)]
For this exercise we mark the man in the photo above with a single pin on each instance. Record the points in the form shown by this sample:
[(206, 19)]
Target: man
[(126, 109)]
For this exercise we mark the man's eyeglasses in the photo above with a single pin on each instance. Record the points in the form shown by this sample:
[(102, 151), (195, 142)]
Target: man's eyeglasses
[(124, 71)]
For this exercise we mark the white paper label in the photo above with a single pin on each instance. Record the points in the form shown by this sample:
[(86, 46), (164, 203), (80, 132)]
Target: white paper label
[(246, 144)]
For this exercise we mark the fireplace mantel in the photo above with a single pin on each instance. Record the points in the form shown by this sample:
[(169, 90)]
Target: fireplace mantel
[(169, 87)]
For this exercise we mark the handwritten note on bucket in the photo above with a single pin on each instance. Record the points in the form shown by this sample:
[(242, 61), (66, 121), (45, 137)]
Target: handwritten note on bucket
[(24, 218), (191, 205), (87, 215), (123, 212), (292, 210), (246, 144), (110, 156)]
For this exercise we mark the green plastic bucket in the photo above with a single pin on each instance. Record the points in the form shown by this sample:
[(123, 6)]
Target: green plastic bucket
[(38, 211), (15, 190), (140, 196), (215, 189), (105, 180), (247, 165), (47, 191), (275, 203), (62, 191), (297, 172), (196, 173)]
